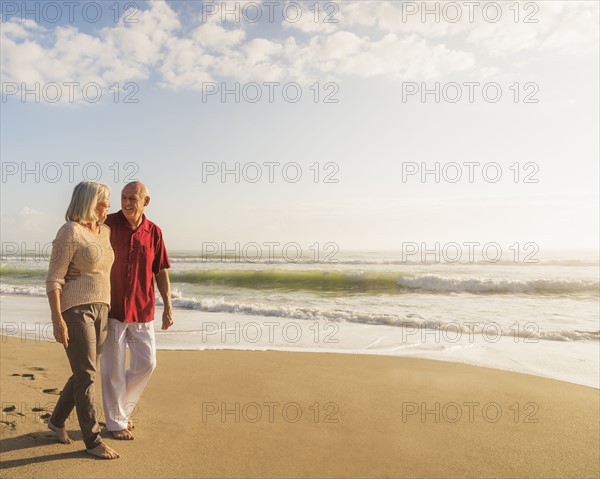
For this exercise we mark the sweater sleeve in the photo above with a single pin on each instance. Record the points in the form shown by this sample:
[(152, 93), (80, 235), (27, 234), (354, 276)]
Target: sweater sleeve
[(63, 250)]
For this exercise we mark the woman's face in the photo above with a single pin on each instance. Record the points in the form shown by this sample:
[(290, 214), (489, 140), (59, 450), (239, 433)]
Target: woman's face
[(102, 208)]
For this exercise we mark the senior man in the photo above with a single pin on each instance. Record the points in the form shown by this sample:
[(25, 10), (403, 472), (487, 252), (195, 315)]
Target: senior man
[(140, 256)]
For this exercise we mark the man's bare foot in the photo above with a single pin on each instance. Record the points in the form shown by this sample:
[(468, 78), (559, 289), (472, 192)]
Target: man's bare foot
[(103, 452), (123, 435), (61, 433), (130, 424)]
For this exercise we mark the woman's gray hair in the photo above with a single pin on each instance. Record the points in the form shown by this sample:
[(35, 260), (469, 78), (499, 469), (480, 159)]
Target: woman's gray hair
[(84, 200)]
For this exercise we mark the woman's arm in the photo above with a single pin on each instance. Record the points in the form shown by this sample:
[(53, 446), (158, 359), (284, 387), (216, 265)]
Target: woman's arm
[(63, 249), (61, 333)]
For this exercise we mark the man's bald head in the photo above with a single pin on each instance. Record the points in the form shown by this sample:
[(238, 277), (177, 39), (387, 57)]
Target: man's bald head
[(138, 188), (134, 199)]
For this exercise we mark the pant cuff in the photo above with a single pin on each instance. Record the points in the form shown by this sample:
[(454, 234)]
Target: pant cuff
[(93, 442)]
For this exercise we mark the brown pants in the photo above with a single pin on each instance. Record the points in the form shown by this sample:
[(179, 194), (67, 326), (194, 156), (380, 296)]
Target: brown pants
[(87, 325)]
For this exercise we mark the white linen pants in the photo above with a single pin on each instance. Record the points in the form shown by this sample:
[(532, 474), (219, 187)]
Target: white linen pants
[(121, 389)]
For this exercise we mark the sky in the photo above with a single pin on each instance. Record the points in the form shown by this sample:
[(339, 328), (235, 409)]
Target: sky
[(365, 124)]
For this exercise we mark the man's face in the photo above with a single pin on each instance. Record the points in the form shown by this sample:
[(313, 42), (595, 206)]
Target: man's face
[(132, 203)]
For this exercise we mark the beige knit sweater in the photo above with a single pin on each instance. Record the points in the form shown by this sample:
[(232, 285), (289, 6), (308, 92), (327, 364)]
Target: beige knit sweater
[(91, 254)]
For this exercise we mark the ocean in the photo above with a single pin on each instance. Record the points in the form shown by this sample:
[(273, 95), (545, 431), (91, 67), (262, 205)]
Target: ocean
[(537, 317)]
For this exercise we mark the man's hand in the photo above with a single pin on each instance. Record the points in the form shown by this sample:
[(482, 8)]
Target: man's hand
[(164, 287), (72, 273), (167, 318)]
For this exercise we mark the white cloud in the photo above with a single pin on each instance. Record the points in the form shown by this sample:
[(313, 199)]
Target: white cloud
[(25, 222), (398, 17), (339, 46), (215, 37), (186, 65), (314, 18), (21, 29), (577, 33), (372, 39), (344, 53), (563, 26), (31, 53)]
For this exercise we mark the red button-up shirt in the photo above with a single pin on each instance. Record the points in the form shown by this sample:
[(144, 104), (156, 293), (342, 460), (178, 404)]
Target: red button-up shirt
[(139, 255)]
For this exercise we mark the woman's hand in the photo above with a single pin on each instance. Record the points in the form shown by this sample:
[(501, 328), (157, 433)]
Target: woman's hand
[(61, 332)]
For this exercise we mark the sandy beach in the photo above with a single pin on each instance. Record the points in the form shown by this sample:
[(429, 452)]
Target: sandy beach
[(369, 229), (282, 414)]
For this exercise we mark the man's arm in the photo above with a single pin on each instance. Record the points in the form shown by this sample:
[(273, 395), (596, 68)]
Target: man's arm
[(164, 288)]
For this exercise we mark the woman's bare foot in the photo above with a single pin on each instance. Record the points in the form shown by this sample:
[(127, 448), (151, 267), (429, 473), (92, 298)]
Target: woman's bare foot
[(61, 433), (123, 435), (103, 451)]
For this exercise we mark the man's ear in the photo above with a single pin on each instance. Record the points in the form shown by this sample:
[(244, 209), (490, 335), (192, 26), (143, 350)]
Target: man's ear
[(146, 201)]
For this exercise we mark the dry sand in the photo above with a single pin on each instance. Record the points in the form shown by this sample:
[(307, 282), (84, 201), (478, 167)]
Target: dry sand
[(361, 416)]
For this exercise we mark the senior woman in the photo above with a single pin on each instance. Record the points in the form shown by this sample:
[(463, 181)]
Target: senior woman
[(79, 308)]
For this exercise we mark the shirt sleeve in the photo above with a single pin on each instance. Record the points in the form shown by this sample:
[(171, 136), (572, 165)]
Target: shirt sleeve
[(63, 250), (110, 220), (161, 258)]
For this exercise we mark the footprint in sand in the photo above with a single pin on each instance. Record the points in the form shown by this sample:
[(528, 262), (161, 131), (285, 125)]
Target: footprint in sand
[(52, 391), (26, 375), (11, 424)]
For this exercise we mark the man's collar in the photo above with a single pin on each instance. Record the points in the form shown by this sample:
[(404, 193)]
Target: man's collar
[(144, 225)]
